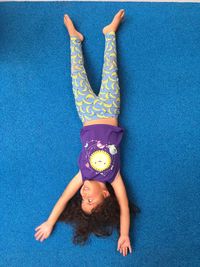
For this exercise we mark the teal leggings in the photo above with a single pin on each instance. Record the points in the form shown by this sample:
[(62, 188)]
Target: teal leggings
[(88, 104)]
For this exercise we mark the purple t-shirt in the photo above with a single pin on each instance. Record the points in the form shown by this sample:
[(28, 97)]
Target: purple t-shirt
[(100, 155)]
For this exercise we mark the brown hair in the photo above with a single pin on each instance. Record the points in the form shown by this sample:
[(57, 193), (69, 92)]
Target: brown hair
[(100, 222)]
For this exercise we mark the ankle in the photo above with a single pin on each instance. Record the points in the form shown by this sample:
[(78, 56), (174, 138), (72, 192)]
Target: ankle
[(110, 32)]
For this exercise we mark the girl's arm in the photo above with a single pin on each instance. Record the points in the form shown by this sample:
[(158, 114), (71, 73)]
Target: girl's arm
[(68, 193), (120, 192)]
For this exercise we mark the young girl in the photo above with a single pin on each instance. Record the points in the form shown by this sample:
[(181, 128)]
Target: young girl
[(102, 201)]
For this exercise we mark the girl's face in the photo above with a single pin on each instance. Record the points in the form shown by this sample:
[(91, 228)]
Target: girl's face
[(93, 193)]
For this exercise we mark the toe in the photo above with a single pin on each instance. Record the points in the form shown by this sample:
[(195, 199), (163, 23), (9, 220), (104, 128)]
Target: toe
[(122, 13)]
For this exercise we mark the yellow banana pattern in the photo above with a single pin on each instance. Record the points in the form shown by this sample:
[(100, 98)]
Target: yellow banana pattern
[(88, 104)]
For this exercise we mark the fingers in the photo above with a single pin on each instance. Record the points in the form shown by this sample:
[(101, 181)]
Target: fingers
[(43, 237), (39, 235), (119, 245), (124, 245), (124, 250)]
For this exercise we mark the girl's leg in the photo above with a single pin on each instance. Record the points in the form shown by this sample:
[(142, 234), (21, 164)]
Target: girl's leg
[(83, 93), (109, 94)]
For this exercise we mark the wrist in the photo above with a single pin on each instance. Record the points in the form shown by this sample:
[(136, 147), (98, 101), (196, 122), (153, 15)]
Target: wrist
[(124, 234), (51, 223)]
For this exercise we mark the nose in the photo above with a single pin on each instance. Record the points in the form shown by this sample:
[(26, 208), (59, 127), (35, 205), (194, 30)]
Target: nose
[(85, 188), (85, 191)]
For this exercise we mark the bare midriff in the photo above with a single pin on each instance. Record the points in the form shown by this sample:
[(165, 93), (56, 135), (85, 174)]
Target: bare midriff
[(110, 121)]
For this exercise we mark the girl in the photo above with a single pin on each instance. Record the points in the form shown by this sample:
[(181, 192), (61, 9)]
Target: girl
[(102, 201)]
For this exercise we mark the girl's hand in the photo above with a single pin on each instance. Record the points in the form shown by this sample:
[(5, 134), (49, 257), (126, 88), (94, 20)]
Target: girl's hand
[(43, 231), (124, 244)]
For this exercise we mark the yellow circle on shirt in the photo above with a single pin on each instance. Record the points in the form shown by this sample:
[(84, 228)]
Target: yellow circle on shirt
[(100, 160)]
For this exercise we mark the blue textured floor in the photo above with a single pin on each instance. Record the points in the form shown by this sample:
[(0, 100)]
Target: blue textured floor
[(159, 72)]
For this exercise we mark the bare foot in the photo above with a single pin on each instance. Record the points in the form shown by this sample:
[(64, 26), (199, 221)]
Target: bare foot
[(115, 22), (71, 29)]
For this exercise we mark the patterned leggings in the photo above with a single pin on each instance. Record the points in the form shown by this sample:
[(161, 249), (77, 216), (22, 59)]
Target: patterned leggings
[(88, 104)]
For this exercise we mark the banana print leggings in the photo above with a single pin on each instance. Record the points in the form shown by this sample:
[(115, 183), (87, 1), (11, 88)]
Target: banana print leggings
[(89, 105)]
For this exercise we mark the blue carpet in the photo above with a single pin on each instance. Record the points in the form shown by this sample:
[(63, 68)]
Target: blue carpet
[(158, 48)]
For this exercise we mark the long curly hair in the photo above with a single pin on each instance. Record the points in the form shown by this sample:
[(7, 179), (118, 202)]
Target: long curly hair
[(100, 222)]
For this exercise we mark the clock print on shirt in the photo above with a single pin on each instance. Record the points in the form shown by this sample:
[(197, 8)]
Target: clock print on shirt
[(100, 157)]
